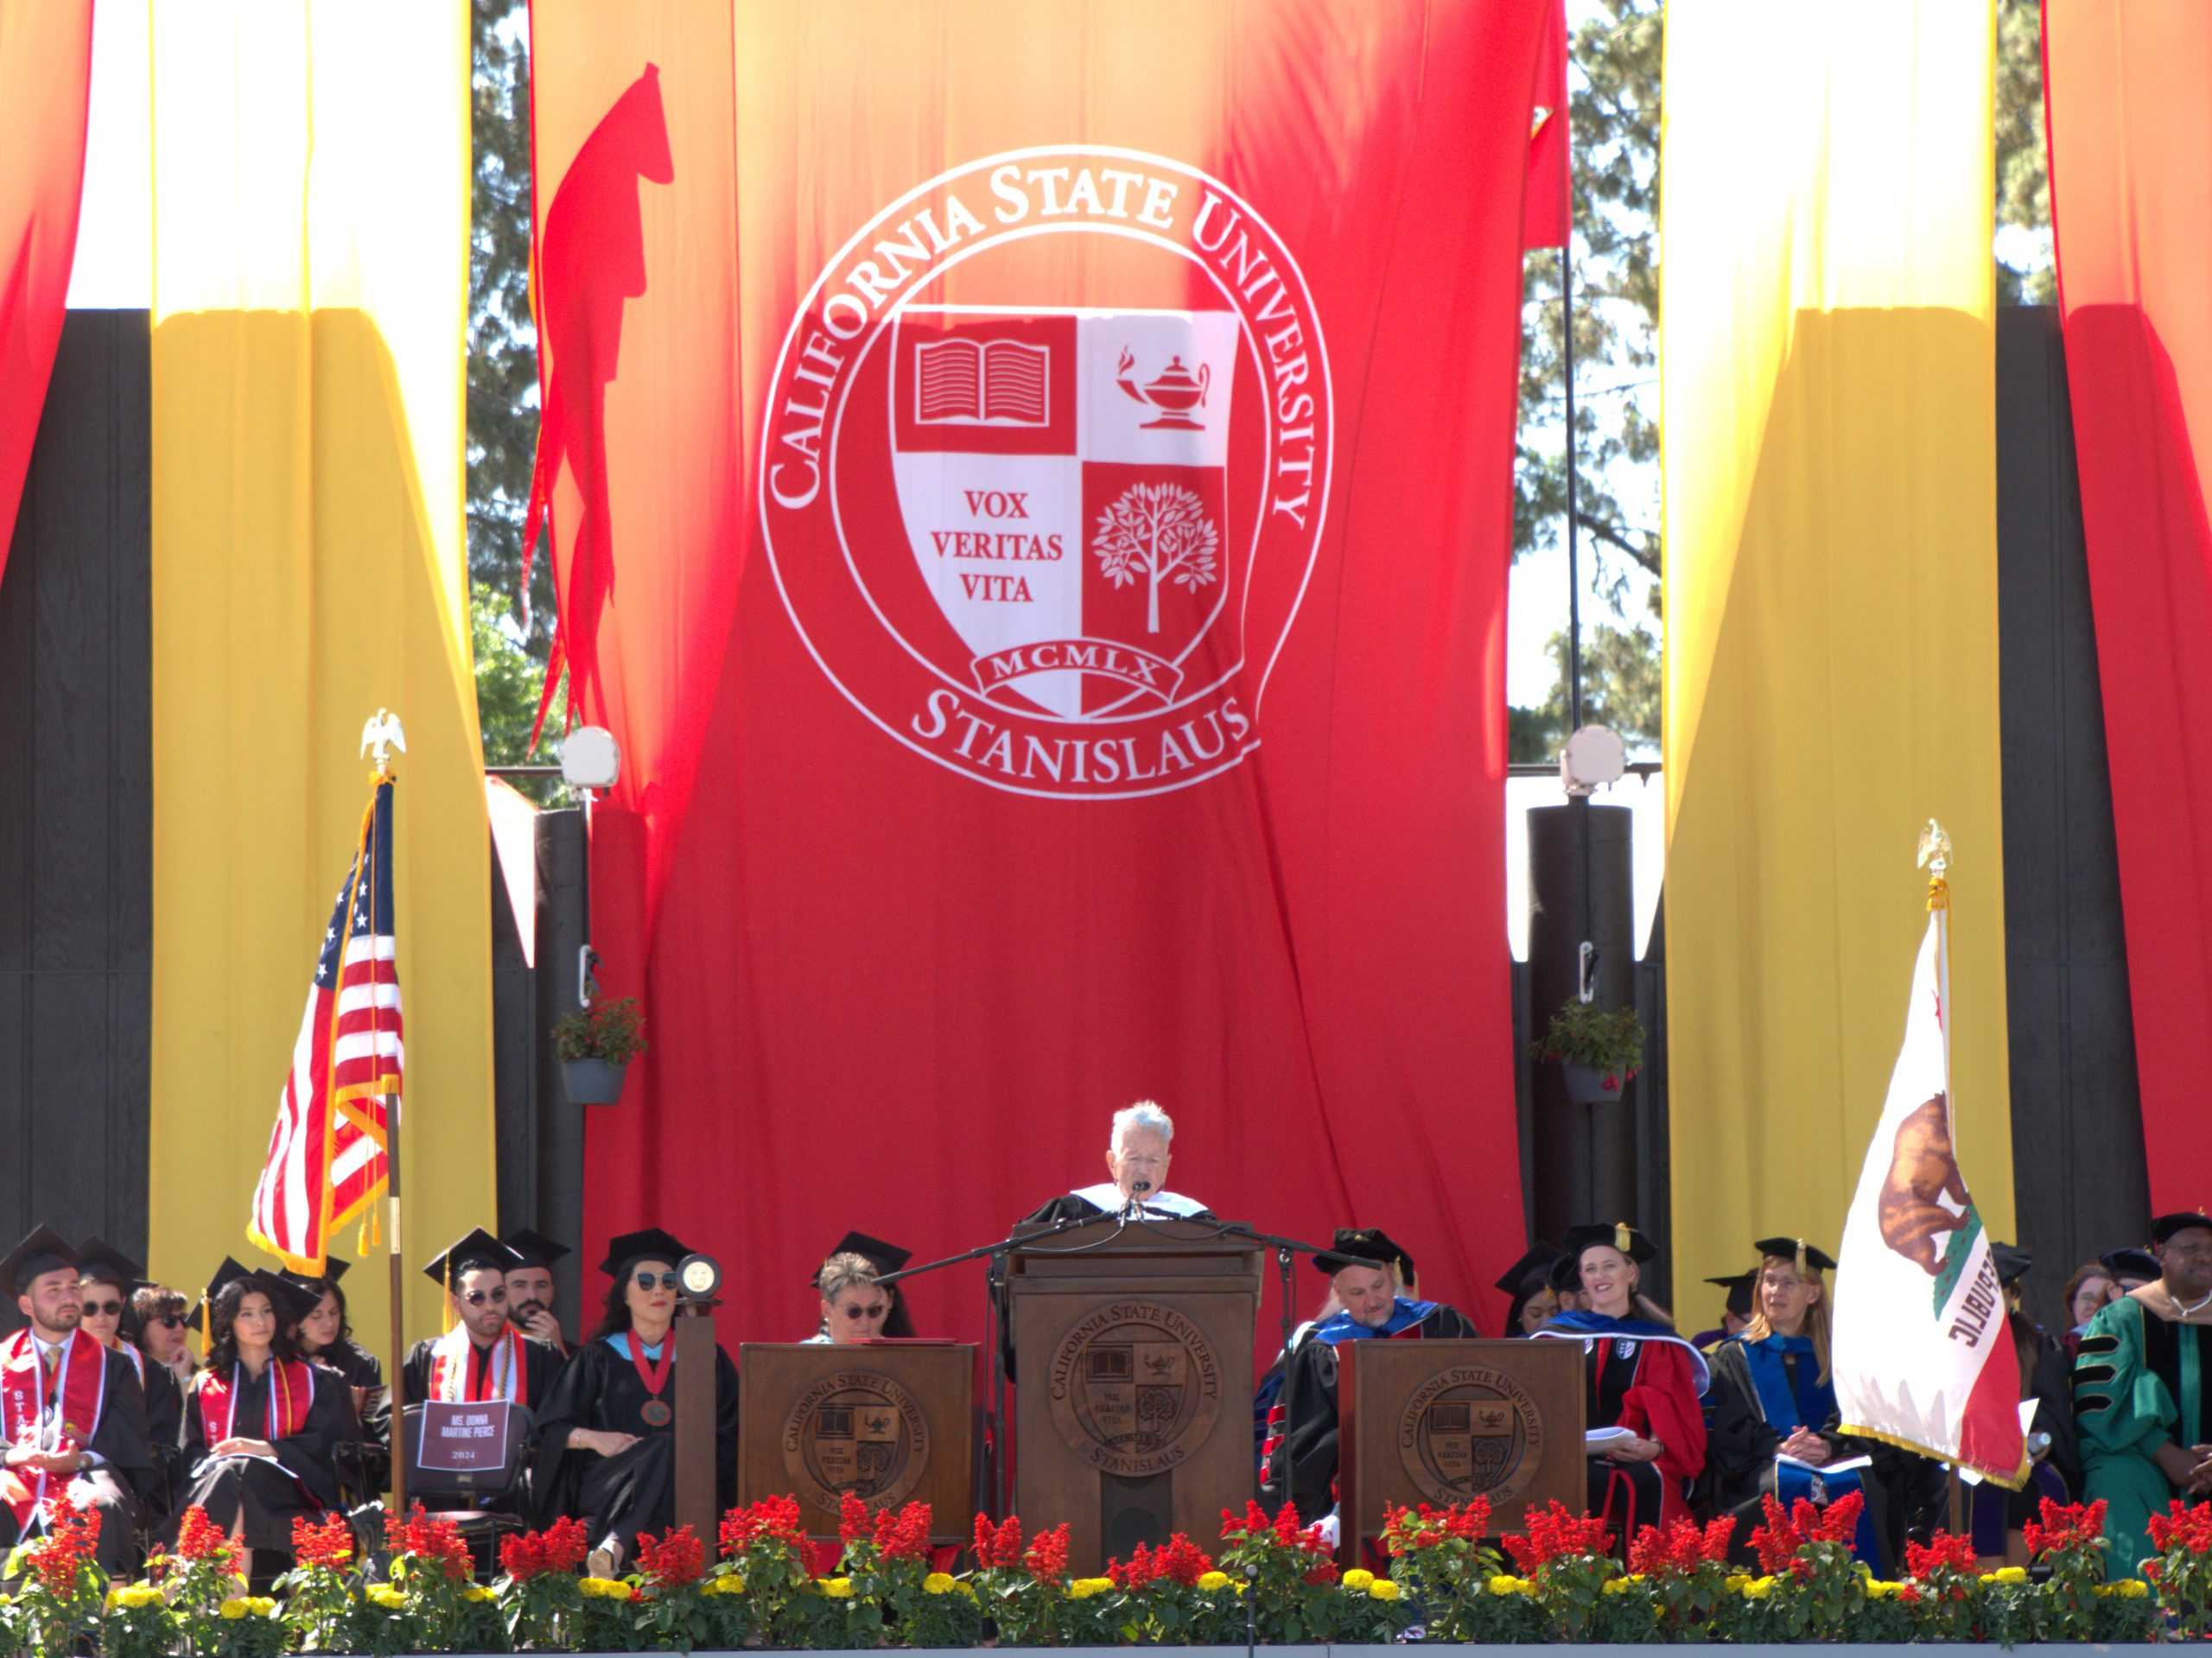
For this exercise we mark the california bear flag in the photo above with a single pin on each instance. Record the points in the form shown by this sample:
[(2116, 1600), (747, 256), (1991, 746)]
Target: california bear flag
[(1923, 1358)]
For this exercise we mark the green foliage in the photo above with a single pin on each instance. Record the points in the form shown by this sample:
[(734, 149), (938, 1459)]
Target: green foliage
[(2023, 165), (1604, 1039), (508, 681), (1621, 689), (612, 1030)]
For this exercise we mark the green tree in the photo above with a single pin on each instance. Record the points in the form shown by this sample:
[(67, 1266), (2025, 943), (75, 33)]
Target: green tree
[(2025, 273)]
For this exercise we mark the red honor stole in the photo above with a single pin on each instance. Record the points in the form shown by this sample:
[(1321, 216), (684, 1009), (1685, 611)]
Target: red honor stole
[(291, 1391), (63, 1417), (455, 1377)]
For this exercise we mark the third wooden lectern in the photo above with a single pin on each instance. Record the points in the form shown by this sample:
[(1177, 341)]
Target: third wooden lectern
[(1133, 1349)]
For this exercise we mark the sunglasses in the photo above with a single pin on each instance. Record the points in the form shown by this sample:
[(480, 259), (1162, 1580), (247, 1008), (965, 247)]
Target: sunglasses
[(666, 1280), (101, 1309), (477, 1298), (876, 1311), (168, 1320)]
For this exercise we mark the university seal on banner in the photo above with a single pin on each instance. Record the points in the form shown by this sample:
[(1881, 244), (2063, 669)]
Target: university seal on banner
[(1471, 1431), (1134, 1388), (859, 1431), (1045, 469)]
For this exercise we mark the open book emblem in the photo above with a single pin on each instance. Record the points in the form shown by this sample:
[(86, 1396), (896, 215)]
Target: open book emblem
[(969, 382)]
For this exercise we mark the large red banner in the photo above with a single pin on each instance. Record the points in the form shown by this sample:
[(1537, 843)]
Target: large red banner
[(45, 78), (2131, 178), (1031, 490)]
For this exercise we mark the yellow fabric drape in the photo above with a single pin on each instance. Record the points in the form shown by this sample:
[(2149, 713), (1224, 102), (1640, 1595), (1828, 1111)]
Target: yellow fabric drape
[(1829, 462), (310, 243)]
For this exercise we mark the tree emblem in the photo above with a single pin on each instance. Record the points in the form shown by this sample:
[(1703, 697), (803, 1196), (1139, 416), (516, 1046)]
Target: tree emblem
[(1160, 532)]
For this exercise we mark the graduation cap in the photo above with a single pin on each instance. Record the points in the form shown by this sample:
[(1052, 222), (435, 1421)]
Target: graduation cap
[(2012, 1262), (886, 1258), (44, 1251), (1738, 1286), (1531, 1272), (534, 1247), (1363, 1245), (2138, 1264), (474, 1249), (650, 1244), (100, 1262), (2163, 1228), (1566, 1274), (290, 1300), (1798, 1253), (1620, 1236)]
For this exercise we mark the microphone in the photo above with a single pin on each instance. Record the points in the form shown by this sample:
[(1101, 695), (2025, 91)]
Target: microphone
[(1137, 1190)]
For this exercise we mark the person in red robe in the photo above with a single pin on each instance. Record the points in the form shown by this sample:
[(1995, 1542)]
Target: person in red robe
[(1642, 1385)]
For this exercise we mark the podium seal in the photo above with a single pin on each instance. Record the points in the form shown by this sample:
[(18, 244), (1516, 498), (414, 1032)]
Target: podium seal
[(859, 1431), (1471, 1431), (1135, 1389)]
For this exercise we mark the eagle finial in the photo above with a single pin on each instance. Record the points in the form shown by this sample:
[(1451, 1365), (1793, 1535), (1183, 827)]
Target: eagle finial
[(380, 736)]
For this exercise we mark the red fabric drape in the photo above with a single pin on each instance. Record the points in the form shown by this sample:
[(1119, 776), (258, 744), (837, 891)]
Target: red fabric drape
[(2131, 165), (45, 75), (912, 911)]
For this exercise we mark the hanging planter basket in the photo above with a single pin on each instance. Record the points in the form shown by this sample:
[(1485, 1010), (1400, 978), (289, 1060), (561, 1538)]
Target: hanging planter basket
[(1588, 1085), (592, 1082)]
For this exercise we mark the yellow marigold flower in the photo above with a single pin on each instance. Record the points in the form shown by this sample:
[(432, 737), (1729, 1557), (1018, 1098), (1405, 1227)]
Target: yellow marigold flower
[(605, 1589), (1734, 1582), (2131, 1588), (965, 1587), (729, 1583), (837, 1588), (1613, 1586), (1085, 1588), (232, 1608), (384, 1595), (1382, 1589), (2010, 1574), (476, 1591), (1213, 1581), (1758, 1588), (1504, 1585), (1358, 1578), (937, 1583), (263, 1605)]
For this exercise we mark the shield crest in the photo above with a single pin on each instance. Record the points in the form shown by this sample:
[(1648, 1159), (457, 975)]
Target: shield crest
[(1063, 479)]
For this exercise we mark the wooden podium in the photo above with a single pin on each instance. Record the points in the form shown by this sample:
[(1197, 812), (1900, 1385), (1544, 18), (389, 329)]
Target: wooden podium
[(894, 1422), (1439, 1422), (1133, 1407)]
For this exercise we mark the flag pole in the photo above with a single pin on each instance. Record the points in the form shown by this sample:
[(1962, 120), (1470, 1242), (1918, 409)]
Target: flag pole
[(381, 735)]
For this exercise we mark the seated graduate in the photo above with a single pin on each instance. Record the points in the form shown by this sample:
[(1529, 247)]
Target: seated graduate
[(532, 1299), (157, 1326), (1774, 1417), (1997, 1516), (1528, 1281), (106, 1279), (1137, 1154), (480, 1357), (2130, 1267), (607, 1437), (325, 1336), (2087, 1293), (73, 1417), (1735, 1312), (2141, 1404), (262, 1424), (1299, 1455), (1639, 1375), (854, 1307), (1567, 1286)]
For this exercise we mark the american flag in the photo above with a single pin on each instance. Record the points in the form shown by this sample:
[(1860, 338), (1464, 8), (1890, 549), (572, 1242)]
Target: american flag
[(326, 1163)]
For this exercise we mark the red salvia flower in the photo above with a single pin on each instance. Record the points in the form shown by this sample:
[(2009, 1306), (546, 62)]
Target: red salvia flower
[(1840, 1519), (2064, 1526), (565, 1543), (1134, 1573), (1046, 1559), (674, 1558), (905, 1535), (327, 1541), (852, 1519), (2191, 1528), (522, 1555), (71, 1539), (1321, 1574), (998, 1545), (431, 1538), (1183, 1561), (1553, 1531), (773, 1519), (1945, 1549), (197, 1538)]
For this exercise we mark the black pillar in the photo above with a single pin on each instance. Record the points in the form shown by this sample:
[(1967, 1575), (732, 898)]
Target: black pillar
[(563, 927), (1579, 888)]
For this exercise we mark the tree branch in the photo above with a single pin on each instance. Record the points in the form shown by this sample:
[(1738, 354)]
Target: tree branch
[(1607, 534)]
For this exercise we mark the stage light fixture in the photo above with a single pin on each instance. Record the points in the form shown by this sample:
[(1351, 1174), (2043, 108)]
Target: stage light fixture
[(1593, 755), (590, 757)]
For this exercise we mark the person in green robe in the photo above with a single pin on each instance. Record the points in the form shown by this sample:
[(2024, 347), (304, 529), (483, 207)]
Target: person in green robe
[(2140, 1396)]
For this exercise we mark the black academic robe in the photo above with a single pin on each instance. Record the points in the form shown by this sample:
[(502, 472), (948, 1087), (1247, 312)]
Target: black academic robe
[(360, 1368), (364, 1460), (1076, 1206), (1299, 1451), (156, 1486), (1741, 1444), (540, 1364), (600, 1389), (122, 1443), (267, 1497)]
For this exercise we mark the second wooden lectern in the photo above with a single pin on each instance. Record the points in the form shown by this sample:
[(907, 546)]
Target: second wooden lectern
[(1133, 1406)]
